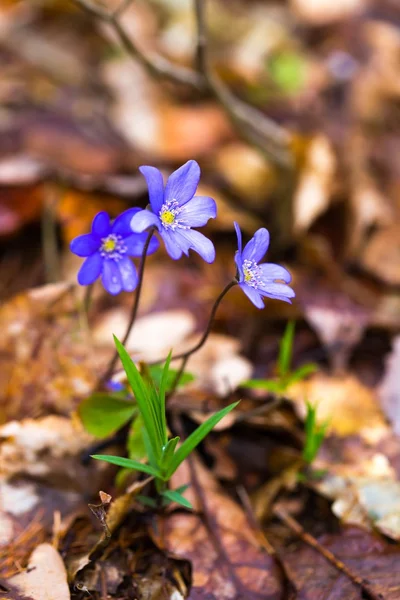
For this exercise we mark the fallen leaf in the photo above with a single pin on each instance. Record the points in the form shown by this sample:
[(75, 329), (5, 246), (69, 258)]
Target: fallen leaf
[(389, 389), (381, 256), (247, 172), (324, 12), (367, 556), (47, 360), (226, 557), (45, 577), (313, 194), (348, 405)]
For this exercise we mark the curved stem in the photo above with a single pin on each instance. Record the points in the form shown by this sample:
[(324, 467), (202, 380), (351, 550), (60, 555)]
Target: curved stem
[(135, 307), (186, 355)]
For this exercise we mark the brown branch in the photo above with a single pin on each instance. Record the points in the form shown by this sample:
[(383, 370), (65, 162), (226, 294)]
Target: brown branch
[(253, 126), (154, 63), (290, 522)]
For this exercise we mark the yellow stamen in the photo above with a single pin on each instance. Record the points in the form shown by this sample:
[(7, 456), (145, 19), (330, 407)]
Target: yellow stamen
[(109, 245), (167, 217)]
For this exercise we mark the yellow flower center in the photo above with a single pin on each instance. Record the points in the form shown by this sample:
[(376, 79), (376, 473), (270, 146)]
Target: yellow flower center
[(167, 217), (109, 244), (248, 275)]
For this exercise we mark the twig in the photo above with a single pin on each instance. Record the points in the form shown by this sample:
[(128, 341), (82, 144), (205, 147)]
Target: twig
[(255, 127), (283, 516), (290, 588), (154, 63)]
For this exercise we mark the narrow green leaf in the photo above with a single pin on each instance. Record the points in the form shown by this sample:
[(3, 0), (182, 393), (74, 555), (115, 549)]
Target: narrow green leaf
[(196, 437), (157, 372), (135, 444), (301, 373), (162, 392), (127, 463), (147, 501), (175, 496), (286, 349), (168, 452), (263, 384), (141, 393), (103, 414)]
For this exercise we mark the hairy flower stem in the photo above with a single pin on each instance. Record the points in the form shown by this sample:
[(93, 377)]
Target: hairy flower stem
[(186, 355), (135, 307)]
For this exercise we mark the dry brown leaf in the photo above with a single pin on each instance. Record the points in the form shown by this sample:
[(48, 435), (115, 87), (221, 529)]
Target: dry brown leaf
[(42, 447), (152, 336), (366, 555), (381, 256), (45, 577), (47, 362), (225, 553), (313, 194), (247, 172), (389, 390), (324, 12), (349, 406)]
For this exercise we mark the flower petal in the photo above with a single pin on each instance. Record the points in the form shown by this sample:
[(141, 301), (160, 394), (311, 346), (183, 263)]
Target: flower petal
[(256, 248), (85, 245), (171, 245), (192, 239), (127, 270), (90, 270), (135, 243), (252, 295), (279, 291), (111, 277), (197, 211), (270, 272), (101, 224), (239, 236), (239, 265), (122, 224), (155, 185), (182, 183), (143, 220)]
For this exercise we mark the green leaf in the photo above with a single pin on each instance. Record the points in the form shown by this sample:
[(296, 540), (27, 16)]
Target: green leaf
[(175, 496), (143, 399), (135, 444), (263, 384), (157, 371), (315, 434), (168, 452), (196, 437), (301, 373), (103, 414), (147, 501), (128, 463), (162, 392), (285, 350)]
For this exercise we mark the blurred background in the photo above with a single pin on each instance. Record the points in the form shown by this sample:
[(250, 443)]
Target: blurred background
[(290, 107)]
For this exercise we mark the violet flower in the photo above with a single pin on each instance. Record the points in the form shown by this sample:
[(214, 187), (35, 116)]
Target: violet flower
[(176, 209), (107, 250), (260, 280)]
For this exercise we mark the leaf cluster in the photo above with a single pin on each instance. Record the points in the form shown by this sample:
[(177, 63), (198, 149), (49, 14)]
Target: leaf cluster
[(163, 455), (286, 376)]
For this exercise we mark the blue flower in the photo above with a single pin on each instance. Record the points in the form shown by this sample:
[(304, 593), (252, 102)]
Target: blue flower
[(176, 209), (107, 249), (260, 280)]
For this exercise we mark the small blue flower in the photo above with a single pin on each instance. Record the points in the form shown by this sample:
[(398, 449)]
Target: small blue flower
[(260, 280), (176, 209), (107, 249)]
